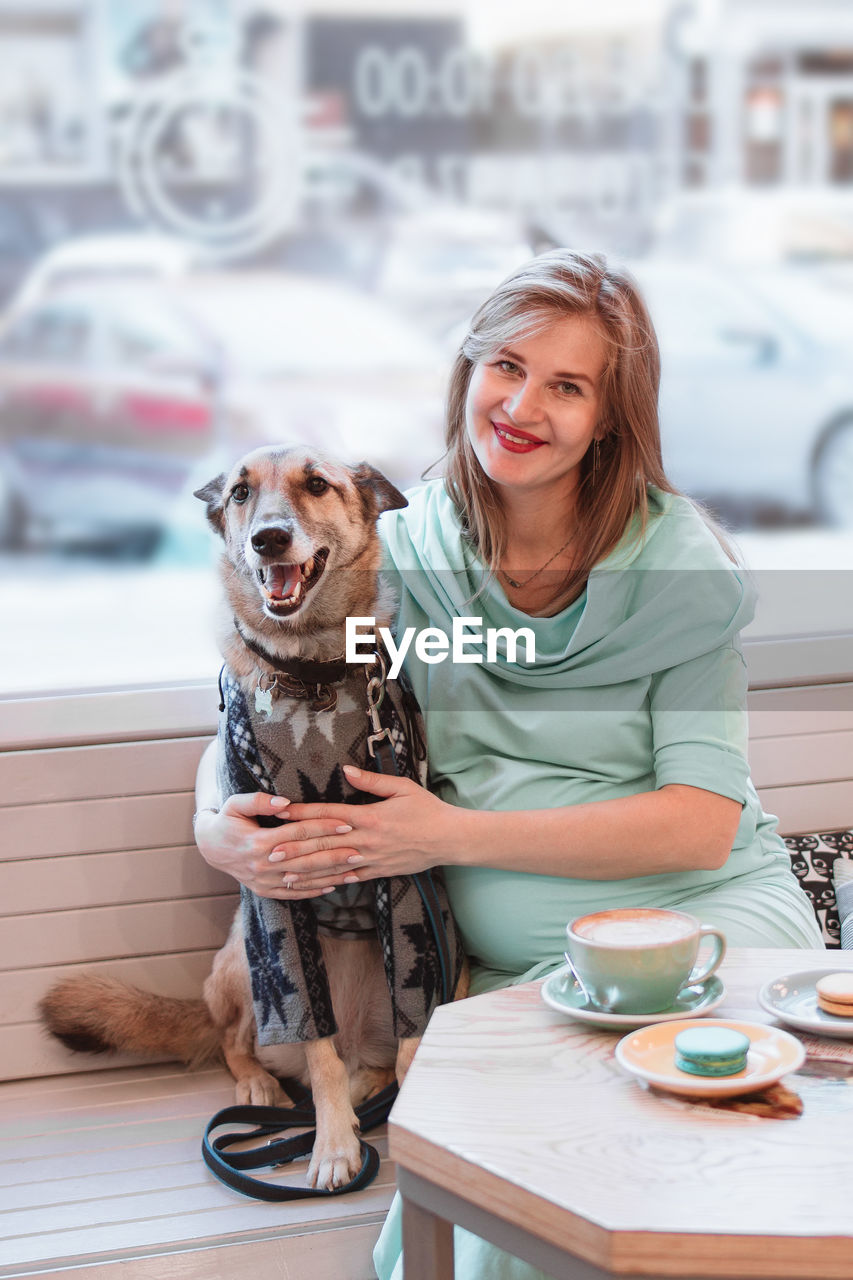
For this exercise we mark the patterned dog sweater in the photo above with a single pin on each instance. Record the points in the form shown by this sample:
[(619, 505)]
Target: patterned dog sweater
[(297, 751)]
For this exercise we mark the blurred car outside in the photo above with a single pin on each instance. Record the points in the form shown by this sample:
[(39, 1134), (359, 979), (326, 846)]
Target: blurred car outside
[(112, 391), (433, 259), (756, 397), (125, 254), (24, 234), (770, 227)]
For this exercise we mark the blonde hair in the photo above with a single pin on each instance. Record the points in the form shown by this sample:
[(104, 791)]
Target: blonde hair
[(557, 284)]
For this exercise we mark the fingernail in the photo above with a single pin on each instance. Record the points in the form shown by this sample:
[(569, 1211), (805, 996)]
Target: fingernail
[(355, 857), (277, 855), (350, 768), (341, 831), (350, 879), (331, 889), (278, 802)]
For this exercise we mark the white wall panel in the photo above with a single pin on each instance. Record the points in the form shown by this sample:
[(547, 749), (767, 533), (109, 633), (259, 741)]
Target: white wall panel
[(103, 879), (87, 773), (92, 826), (103, 933)]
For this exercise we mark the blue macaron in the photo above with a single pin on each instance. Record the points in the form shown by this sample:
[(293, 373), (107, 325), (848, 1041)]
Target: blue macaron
[(711, 1051)]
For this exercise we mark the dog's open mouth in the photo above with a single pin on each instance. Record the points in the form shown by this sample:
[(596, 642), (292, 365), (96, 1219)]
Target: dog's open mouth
[(285, 585)]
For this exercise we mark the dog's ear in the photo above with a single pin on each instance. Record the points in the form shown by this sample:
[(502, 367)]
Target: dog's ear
[(211, 493), (384, 495)]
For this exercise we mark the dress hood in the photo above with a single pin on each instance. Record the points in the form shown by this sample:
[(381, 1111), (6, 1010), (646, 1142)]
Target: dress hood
[(654, 602)]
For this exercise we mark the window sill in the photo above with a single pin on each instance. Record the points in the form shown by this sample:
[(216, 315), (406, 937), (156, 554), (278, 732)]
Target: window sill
[(189, 708), (110, 715)]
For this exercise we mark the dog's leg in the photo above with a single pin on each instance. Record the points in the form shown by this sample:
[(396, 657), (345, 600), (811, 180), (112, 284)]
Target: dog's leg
[(405, 1052), (228, 996), (336, 1157), (407, 1048), (367, 1081), (255, 1085)]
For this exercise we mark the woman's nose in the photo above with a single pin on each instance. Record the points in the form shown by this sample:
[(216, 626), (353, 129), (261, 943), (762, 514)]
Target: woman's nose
[(525, 405)]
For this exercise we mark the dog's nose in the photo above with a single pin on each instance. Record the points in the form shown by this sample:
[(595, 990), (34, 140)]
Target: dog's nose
[(271, 540)]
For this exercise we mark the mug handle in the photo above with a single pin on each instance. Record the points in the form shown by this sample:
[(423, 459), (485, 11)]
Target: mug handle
[(718, 951)]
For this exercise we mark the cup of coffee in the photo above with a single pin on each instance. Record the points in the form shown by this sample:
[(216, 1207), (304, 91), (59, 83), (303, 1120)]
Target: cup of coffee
[(637, 959)]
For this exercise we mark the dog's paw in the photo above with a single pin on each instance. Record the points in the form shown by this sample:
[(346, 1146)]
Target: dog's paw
[(260, 1089), (334, 1165)]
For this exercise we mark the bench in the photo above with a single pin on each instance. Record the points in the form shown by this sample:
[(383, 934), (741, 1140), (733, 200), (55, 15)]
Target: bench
[(100, 1167)]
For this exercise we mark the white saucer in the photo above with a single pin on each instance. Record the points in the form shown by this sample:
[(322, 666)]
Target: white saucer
[(561, 991), (793, 999), (649, 1054)]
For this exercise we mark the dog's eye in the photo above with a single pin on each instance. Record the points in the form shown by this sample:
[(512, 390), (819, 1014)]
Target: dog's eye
[(317, 485), (240, 492)]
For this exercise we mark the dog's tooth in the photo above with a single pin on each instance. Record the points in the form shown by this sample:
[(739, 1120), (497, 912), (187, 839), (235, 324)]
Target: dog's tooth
[(308, 567), (296, 592)]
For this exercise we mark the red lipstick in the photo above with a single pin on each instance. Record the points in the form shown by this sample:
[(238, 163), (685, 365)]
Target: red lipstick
[(521, 441)]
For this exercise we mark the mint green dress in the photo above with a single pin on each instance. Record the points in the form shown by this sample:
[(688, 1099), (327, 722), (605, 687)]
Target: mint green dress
[(640, 682)]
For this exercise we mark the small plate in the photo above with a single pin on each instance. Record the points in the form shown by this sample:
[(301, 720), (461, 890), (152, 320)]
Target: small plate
[(650, 1054), (793, 999), (562, 992)]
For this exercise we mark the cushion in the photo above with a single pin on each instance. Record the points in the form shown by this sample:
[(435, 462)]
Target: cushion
[(842, 879), (813, 858)]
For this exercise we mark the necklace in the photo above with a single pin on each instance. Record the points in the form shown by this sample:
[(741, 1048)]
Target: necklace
[(513, 582)]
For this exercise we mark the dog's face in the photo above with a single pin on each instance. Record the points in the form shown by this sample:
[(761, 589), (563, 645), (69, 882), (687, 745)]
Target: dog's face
[(290, 516)]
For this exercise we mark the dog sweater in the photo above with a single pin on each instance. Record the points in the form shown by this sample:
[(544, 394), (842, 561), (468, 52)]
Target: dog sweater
[(297, 751)]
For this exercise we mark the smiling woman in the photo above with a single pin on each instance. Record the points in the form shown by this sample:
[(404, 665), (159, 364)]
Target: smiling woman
[(610, 771)]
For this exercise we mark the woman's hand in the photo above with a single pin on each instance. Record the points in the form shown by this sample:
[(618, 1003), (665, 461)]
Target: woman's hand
[(232, 841), (407, 831)]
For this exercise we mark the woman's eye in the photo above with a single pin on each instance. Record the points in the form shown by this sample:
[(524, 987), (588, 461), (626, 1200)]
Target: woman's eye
[(507, 366), (240, 492), (570, 388), (317, 485)]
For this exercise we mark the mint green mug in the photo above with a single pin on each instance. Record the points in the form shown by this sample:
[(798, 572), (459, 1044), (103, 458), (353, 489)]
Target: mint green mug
[(638, 959)]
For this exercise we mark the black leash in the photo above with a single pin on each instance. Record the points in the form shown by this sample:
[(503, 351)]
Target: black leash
[(229, 1165)]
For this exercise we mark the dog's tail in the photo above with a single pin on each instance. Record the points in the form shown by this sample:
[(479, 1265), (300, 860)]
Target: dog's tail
[(91, 1014)]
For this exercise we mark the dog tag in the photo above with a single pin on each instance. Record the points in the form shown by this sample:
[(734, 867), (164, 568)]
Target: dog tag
[(263, 701)]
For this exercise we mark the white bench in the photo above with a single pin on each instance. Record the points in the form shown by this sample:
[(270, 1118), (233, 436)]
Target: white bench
[(100, 1167)]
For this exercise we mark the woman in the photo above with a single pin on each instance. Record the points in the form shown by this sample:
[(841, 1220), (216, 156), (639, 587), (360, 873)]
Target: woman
[(609, 771)]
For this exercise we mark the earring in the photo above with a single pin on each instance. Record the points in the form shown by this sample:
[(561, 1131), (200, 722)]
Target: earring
[(596, 458)]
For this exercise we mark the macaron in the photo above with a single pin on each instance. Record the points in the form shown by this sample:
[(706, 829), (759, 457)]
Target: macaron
[(711, 1051), (835, 994)]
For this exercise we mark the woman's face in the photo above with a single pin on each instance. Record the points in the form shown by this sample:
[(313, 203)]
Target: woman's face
[(533, 407)]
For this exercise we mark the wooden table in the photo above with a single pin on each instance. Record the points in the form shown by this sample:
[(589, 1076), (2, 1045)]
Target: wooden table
[(516, 1123)]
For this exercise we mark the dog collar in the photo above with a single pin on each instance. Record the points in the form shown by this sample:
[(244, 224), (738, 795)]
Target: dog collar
[(309, 673)]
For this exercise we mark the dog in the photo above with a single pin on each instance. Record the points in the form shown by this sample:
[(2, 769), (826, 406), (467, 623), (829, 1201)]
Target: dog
[(300, 990)]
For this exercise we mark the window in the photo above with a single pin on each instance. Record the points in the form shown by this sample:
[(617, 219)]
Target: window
[(316, 286)]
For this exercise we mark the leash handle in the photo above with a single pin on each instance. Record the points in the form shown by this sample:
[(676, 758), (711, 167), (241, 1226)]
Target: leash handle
[(228, 1166)]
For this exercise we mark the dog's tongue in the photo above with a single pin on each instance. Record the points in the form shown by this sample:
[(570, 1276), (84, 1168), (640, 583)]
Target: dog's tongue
[(281, 579)]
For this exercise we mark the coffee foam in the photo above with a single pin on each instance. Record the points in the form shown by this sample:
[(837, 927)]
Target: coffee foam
[(633, 929)]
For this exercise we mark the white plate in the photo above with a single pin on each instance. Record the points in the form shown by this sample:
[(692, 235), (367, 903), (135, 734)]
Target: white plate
[(561, 991), (649, 1054), (793, 999)]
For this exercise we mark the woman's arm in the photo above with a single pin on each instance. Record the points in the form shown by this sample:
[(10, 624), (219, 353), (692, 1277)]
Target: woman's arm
[(229, 838), (677, 828)]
